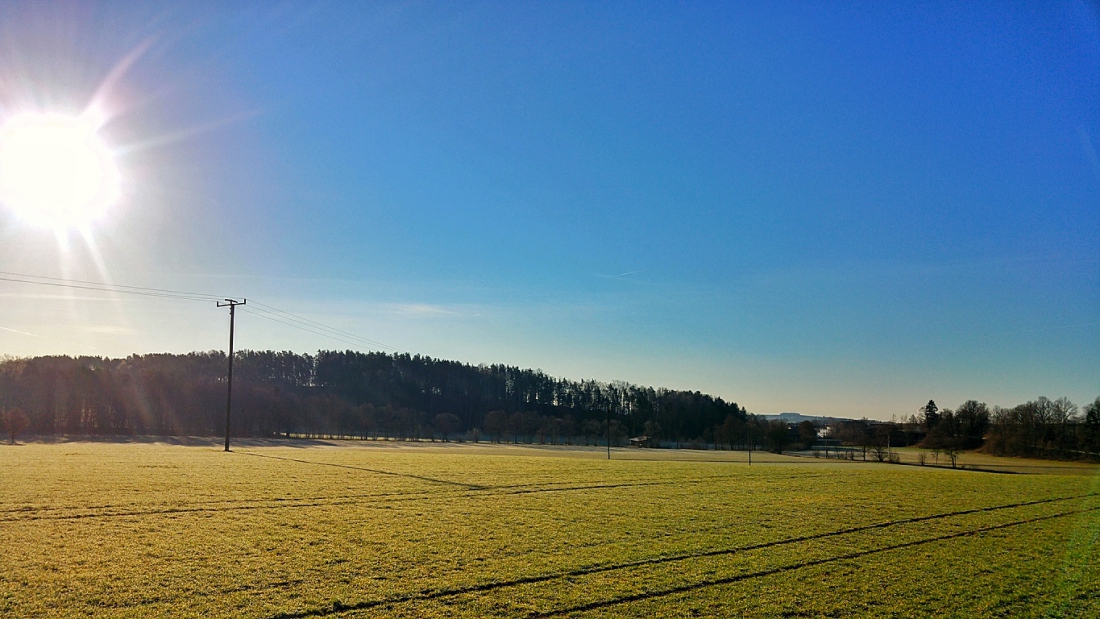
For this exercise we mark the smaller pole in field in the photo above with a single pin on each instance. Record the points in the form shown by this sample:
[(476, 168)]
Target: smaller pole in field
[(748, 433), (608, 433), (232, 305)]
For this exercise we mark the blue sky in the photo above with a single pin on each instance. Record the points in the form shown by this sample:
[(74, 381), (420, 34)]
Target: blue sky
[(841, 210)]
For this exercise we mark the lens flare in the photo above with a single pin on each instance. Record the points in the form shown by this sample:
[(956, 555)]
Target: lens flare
[(55, 170)]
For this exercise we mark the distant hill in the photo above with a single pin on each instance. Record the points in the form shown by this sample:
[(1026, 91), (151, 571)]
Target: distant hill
[(799, 418)]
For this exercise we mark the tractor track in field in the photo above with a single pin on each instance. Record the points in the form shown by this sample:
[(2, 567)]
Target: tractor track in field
[(25, 514), (35, 510), (431, 594), (49, 512), (369, 470), (479, 487), (639, 597)]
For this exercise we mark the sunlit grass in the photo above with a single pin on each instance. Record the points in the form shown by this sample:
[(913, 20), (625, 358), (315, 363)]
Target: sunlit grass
[(147, 530)]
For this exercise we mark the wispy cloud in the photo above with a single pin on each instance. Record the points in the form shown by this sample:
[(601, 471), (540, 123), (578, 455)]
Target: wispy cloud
[(52, 339)]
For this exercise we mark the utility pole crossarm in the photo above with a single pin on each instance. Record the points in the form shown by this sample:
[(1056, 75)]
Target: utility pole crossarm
[(232, 305)]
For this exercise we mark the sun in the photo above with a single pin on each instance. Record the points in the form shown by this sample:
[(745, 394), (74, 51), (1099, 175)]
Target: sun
[(55, 170)]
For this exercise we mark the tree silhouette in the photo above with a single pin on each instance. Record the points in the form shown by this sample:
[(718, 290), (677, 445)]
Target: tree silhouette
[(930, 415), (13, 422)]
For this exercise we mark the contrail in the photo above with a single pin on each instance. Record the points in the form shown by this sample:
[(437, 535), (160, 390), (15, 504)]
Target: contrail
[(19, 332)]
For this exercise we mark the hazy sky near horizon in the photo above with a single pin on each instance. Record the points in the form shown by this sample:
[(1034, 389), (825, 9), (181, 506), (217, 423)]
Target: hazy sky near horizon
[(798, 206)]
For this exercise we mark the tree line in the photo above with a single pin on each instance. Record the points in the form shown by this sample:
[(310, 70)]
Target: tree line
[(1040, 428), (341, 394), (402, 396)]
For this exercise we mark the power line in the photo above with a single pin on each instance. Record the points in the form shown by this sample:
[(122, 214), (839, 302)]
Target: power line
[(327, 328), (352, 340), (110, 286), (301, 328), (268, 312), (307, 324), (97, 287)]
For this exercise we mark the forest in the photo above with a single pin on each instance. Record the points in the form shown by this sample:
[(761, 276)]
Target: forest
[(332, 393), (401, 396)]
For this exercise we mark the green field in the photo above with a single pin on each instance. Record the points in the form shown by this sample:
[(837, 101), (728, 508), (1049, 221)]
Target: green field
[(317, 529)]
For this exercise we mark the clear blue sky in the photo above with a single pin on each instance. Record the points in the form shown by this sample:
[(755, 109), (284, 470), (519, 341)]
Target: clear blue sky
[(841, 210)]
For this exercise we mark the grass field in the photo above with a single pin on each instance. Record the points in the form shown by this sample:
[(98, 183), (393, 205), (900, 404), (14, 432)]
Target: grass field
[(396, 530)]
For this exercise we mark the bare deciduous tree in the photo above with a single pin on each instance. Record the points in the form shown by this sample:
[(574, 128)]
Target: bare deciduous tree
[(13, 422)]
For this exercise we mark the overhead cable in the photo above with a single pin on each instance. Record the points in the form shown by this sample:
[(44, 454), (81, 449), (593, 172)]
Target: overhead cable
[(262, 310)]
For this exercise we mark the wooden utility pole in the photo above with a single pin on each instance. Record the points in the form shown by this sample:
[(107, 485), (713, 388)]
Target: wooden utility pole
[(232, 305)]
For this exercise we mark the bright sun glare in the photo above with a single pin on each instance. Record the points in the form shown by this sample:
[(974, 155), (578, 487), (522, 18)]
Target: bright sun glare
[(55, 170)]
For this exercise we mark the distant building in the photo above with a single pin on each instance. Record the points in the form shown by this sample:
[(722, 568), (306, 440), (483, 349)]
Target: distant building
[(645, 441)]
